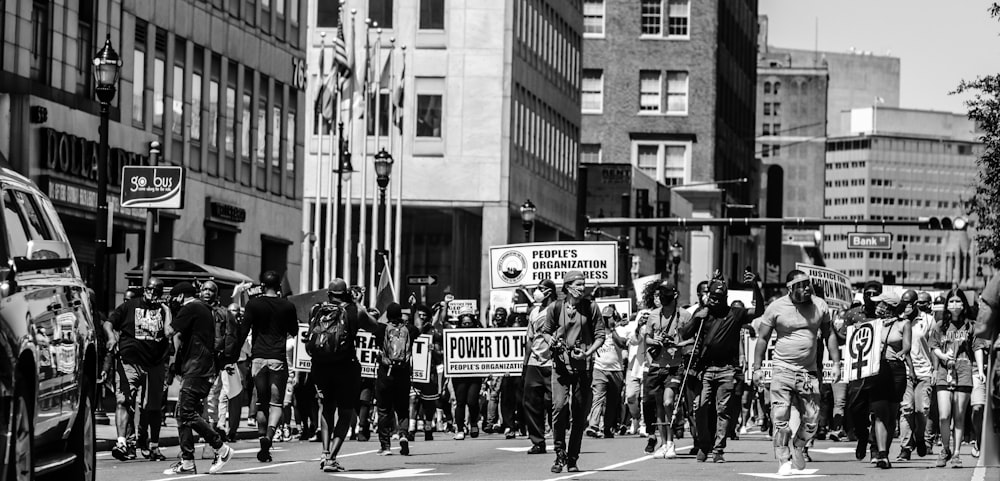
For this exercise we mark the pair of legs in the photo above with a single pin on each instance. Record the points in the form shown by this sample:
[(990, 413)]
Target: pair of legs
[(139, 387), (661, 385), (793, 388), (191, 403), (952, 404), (886, 395), (572, 396), (916, 407), (633, 395), (270, 378), (392, 397), (339, 386), (511, 400), (467, 396), (712, 412), (537, 401), (607, 387)]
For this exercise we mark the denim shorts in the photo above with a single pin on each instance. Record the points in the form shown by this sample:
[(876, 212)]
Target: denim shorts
[(270, 378)]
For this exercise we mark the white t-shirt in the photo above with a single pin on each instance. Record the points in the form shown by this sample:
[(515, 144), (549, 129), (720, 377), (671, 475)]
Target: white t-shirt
[(609, 357), (637, 363), (920, 351)]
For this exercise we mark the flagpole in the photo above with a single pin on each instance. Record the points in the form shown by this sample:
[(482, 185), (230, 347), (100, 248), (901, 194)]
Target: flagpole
[(398, 247), (363, 211), (376, 241), (333, 209), (349, 203), (392, 148), (317, 226)]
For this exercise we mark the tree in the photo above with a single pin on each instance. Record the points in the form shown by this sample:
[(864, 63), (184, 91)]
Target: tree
[(984, 109)]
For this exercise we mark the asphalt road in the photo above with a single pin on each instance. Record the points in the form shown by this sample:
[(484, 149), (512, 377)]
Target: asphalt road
[(494, 458)]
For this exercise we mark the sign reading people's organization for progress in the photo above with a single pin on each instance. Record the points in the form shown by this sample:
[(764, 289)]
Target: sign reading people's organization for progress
[(481, 352), (527, 264), (368, 353)]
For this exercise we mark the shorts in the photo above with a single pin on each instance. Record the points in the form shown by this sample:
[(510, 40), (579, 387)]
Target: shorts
[(978, 392), (270, 379), (140, 386), (339, 384), (660, 378), (963, 369)]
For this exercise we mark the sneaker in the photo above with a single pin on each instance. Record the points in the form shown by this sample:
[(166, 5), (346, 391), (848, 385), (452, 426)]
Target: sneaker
[(385, 451), (395, 437), (474, 432), (428, 435), (702, 456), (785, 469), (718, 458), (286, 434), (593, 432), (743, 430), (883, 463), (509, 434), (922, 448), (404, 447), (120, 452), (904, 455), (571, 466), (459, 436), (805, 454), (671, 452), (975, 449), (693, 451), (537, 449), (330, 466), (859, 451), (835, 436), (560, 462), (264, 455), (364, 436), (798, 458), (609, 434), (650, 445), (943, 458), (956, 461), (222, 456), (180, 468), (661, 452), (410, 435), (156, 455)]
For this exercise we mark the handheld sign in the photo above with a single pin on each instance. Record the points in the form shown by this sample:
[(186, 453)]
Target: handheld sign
[(622, 306), (481, 352), (421, 359), (836, 286), (863, 349), (457, 306), (527, 264)]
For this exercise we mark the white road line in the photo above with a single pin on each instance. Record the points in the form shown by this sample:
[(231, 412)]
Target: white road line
[(257, 468), (352, 454), (611, 467), (979, 474)]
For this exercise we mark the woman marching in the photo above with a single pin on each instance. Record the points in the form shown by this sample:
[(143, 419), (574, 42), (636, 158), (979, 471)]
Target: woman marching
[(895, 314), (951, 341)]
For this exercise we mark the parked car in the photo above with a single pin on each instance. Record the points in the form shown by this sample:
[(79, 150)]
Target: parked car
[(48, 351)]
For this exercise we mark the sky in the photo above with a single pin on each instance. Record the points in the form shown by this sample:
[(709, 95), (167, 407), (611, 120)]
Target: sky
[(938, 42)]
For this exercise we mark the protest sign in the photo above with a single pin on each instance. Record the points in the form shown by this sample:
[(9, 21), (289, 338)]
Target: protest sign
[(623, 306), (481, 352), (863, 350), (421, 359), (836, 286), (639, 285), (500, 298), (527, 264), (301, 361), (457, 306), (746, 297)]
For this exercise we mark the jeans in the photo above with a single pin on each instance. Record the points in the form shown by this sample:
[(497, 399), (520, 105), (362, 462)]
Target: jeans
[(607, 386), (916, 407), (801, 389), (712, 413), (467, 395), (191, 403), (392, 398), (537, 400), (571, 399)]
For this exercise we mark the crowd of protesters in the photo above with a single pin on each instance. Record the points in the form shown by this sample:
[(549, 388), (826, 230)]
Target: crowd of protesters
[(665, 372)]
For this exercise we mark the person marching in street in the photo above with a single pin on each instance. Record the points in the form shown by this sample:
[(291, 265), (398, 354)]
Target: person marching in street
[(208, 293), (272, 320), (800, 322), (538, 367), (608, 379), (951, 341), (858, 391), (140, 330), (193, 331), (578, 332), (336, 371), (718, 325), (467, 389), (662, 336), (428, 393), (916, 405), (392, 386), (511, 392)]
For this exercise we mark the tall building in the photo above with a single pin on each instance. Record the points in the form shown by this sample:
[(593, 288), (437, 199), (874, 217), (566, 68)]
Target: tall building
[(490, 119), (899, 164), (219, 84), (669, 87)]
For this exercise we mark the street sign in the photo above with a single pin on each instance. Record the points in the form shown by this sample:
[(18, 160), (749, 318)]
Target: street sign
[(424, 280), (152, 187), (870, 241)]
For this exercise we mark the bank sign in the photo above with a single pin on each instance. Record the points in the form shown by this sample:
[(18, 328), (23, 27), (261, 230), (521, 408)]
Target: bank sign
[(527, 264), (159, 187)]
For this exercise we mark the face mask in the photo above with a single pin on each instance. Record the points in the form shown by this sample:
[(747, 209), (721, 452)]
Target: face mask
[(955, 314), (538, 295), (574, 291)]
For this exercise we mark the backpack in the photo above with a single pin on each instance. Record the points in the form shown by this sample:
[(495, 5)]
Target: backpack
[(397, 346), (329, 336), (228, 342)]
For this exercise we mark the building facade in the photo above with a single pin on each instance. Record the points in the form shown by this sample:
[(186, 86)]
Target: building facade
[(911, 164), (490, 118), (218, 84), (669, 87)]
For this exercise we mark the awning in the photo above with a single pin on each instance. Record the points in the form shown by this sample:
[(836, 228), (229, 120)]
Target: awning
[(182, 269)]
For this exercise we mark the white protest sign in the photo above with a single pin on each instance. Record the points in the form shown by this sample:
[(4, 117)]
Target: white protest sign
[(457, 306), (481, 352), (623, 306), (364, 344), (367, 352), (864, 350), (836, 286), (421, 359), (301, 361), (501, 298), (746, 297), (639, 284), (767, 363), (527, 264)]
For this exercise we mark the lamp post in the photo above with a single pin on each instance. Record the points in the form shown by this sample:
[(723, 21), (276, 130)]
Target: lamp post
[(528, 211), (676, 253), (107, 68), (343, 173), (383, 169), (905, 255)]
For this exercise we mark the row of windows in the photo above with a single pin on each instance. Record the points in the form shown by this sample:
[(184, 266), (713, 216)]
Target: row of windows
[(665, 18), (845, 183), (844, 201), (854, 164), (899, 274), (551, 43), (278, 9), (855, 144), (665, 161), (772, 108), (768, 150), (382, 13), (770, 129), (772, 88), (882, 182), (652, 99), (544, 134)]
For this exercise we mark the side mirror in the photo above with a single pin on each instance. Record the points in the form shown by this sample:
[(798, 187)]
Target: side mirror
[(9, 285)]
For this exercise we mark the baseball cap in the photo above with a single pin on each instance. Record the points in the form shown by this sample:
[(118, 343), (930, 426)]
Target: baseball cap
[(183, 287), (718, 289), (608, 311), (889, 297), (338, 289), (394, 311), (573, 276)]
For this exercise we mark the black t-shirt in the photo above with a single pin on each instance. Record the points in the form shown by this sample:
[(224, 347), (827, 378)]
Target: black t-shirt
[(273, 320), (722, 335), (196, 325), (142, 340)]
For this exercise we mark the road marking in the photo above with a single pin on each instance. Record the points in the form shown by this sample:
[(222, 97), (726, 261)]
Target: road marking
[(524, 449), (979, 474), (399, 473), (612, 467), (832, 450), (266, 466), (796, 474), (254, 450)]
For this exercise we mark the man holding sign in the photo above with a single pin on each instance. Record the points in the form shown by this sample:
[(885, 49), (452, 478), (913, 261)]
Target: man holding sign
[(799, 320)]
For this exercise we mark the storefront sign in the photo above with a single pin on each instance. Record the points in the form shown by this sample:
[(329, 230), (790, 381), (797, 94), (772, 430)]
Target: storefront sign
[(527, 264), (481, 352), (77, 157), (84, 198), (153, 187), (227, 212), (299, 73)]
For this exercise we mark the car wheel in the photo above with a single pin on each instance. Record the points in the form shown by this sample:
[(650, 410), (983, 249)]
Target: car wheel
[(22, 462), (82, 443)]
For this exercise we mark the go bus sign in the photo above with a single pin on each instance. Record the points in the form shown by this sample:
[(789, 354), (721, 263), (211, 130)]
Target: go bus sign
[(148, 187)]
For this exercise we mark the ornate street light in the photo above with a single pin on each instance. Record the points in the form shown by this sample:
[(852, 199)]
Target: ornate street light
[(383, 169), (528, 211), (107, 68), (676, 254)]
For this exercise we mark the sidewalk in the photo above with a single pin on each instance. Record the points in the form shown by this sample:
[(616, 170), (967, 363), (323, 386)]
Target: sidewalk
[(107, 435)]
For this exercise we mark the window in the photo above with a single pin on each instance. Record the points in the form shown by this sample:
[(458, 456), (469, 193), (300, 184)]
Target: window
[(265, 4), (592, 90), (776, 108), (775, 151), (767, 87), (85, 47), (593, 18), (327, 13), (677, 92), (290, 143), (776, 129), (431, 14), (139, 86), (380, 11), (245, 125), (196, 106), (261, 131), (674, 164), (40, 33), (765, 150), (230, 119), (276, 136), (678, 17), (646, 159), (213, 114), (293, 12), (177, 124), (590, 153), (279, 7), (767, 108), (649, 91), (666, 161), (766, 129), (429, 115), (651, 12), (158, 73)]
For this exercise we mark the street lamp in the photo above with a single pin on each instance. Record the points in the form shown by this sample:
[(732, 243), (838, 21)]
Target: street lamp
[(107, 68), (528, 211), (905, 255), (383, 169), (676, 253)]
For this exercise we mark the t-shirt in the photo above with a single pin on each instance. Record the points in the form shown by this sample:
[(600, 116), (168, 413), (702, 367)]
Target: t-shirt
[(582, 325), (919, 348), (609, 356), (798, 329), (721, 335), (666, 356), (637, 363), (196, 326), (539, 352), (954, 340), (142, 340), (272, 320)]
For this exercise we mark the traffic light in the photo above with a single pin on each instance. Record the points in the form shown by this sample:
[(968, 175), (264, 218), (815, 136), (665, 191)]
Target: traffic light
[(944, 223)]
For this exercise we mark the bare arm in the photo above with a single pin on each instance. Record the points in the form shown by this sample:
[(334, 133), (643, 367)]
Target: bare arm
[(763, 336), (907, 345), (620, 341)]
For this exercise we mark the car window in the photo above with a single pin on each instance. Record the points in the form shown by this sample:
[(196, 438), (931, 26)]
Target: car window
[(37, 225), (16, 225)]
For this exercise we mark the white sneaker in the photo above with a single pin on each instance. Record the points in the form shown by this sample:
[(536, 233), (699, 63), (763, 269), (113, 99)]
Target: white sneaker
[(785, 469), (222, 456), (671, 452), (661, 452), (642, 431), (743, 430), (798, 458), (459, 435), (395, 437)]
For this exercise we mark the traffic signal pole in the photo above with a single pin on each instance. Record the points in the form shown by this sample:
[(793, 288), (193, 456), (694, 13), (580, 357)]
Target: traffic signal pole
[(749, 222)]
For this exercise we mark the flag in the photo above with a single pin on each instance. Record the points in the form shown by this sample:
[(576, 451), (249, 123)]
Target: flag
[(341, 63), (361, 81), (386, 75), (385, 293), (397, 99), (322, 76), (328, 91)]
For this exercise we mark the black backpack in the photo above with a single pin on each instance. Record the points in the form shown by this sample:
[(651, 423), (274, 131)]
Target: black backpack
[(228, 342), (329, 336)]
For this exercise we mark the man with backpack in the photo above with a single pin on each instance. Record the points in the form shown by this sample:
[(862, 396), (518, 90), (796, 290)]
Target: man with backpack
[(333, 327), (392, 384), (272, 319)]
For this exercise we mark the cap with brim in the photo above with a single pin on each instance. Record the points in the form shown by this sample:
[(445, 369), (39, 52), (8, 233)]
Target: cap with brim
[(889, 297), (573, 276)]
